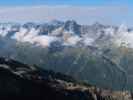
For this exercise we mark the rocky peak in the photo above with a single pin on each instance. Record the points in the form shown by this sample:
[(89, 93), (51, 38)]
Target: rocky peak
[(72, 26)]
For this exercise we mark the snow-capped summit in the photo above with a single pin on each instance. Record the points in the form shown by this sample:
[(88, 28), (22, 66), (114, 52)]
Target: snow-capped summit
[(72, 27), (29, 25), (124, 37), (67, 33)]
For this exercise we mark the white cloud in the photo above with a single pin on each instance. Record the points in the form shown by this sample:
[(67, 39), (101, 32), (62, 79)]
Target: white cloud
[(123, 37), (31, 36), (44, 40), (73, 40)]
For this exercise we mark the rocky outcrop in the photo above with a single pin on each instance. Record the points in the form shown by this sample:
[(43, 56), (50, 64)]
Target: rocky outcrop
[(19, 80)]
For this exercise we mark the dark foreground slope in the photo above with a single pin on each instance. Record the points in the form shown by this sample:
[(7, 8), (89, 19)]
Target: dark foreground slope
[(20, 81)]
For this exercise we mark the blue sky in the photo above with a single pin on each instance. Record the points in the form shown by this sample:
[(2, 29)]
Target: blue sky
[(113, 12), (66, 2)]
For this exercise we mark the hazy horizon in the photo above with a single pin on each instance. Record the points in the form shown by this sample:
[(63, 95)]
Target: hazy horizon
[(84, 12)]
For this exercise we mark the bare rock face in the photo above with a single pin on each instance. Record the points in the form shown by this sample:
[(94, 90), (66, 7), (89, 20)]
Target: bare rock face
[(19, 80)]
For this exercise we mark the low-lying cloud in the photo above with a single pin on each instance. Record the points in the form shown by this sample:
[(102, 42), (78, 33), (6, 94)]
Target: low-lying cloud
[(31, 36)]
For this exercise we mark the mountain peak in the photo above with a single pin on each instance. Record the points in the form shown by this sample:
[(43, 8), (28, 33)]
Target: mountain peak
[(55, 22), (97, 24), (72, 27), (73, 22)]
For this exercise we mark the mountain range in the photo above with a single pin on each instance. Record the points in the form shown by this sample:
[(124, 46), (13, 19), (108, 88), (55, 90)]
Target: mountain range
[(66, 33), (98, 54)]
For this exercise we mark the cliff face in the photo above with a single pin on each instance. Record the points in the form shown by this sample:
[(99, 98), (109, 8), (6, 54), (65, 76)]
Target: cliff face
[(20, 81)]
